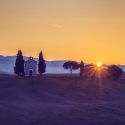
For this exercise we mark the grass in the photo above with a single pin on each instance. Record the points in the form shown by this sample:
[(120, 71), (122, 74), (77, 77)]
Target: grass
[(61, 100)]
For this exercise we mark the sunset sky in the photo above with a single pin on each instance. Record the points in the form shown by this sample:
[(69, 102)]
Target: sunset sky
[(92, 30)]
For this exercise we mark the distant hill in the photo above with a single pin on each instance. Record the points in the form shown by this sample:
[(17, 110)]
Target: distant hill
[(7, 65)]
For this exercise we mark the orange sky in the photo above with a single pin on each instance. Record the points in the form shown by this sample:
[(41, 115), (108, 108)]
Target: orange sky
[(92, 30)]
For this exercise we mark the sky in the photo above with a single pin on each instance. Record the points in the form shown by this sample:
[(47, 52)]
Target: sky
[(89, 30)]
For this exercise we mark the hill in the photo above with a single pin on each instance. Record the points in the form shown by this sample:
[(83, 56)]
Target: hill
[(7, 65), (53, 67), (60, 100)]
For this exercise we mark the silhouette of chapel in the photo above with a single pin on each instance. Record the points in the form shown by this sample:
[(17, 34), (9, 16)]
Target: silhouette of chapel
[(30, 67)]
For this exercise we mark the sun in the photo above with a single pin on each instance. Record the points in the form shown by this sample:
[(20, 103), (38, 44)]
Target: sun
[(99, 64)]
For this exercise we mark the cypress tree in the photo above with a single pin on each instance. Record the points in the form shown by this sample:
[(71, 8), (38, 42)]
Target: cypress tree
[(19, 64), (81, 68), (41, 64)]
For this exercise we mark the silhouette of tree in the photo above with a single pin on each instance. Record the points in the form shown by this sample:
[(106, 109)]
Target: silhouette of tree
[(81, 68), (19, 64), (90, 71), (71, 65), (115, 72), (41, 64)]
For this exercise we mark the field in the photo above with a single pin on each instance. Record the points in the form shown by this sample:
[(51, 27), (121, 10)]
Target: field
[(52, 100)]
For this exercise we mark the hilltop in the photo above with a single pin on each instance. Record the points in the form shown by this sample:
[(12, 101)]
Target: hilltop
[(7, 65), (54, 67)]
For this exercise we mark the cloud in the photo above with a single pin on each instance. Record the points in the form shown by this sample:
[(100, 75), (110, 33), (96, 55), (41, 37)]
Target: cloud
[(57, 26)]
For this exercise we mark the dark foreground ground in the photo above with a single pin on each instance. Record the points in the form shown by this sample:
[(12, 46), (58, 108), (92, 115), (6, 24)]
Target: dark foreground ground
[(61, 101)]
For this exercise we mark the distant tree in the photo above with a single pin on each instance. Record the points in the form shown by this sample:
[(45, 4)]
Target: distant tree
[(115, 72), (90, 71), (19, 64), (71, 65), (41, 64), (81, 68)]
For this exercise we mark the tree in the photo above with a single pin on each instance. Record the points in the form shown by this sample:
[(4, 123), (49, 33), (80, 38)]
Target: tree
[(71, 65), (41, 64), (90, 71), (115, 72), (19, 64), (81, 68)]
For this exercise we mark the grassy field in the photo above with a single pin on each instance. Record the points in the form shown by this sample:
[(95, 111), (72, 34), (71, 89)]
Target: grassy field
[(60, 100)]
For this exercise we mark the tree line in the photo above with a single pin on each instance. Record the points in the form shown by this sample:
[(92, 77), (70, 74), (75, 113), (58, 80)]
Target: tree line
[(91, 71), (86, 70)]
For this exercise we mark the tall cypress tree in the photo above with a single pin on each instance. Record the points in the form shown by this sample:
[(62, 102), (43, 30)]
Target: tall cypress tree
[(19, 64), (82, 68), (41, 64)]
